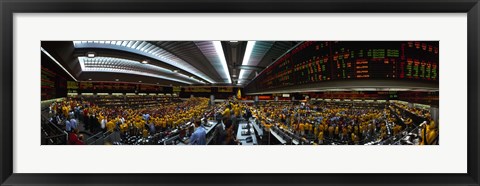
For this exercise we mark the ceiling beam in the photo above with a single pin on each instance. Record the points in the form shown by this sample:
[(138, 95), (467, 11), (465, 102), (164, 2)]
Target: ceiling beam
[(249, 67)]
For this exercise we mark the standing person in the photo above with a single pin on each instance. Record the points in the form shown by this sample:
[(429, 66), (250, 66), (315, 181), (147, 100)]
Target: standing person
[(330, 132), (301, 128), (320, 137), (226, 112), (248, 114), (74, 123), (230, 138), (86, 119), (68, 125), (220, 132), (103, 124), (199, 136)]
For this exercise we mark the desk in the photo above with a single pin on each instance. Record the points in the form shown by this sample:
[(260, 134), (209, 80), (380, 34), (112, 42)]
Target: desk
[(257, 128), (279, 138), (243, 138), (209, 130)]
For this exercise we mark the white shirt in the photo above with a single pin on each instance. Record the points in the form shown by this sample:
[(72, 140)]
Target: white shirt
[(73, 123), (104, 122), (68, 126)]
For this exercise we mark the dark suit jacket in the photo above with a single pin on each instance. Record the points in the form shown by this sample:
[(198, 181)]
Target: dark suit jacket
[(220, 134)]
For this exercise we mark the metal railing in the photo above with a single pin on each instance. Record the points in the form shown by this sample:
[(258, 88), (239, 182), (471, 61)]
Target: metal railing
[(52, 134)]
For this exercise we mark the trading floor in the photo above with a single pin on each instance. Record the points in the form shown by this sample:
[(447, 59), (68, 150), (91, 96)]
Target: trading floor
[(127, 92), (234, 122)]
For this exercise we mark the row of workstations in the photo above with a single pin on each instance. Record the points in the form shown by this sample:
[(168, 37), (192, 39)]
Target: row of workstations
[(246, 133), (175, 136), (278, 135), (210, 122), (183, 136)]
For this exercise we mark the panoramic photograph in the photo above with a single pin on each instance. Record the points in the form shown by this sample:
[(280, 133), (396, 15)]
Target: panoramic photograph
[(129, 92)]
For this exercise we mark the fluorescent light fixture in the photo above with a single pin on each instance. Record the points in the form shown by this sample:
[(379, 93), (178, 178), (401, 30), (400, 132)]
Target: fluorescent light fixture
[(53, 59), (246, 58), (175, 71), (221, 56), (336, 89), (189, 77), (126, 66), (425, 90), (364, 89), (116, 79), (146, 49), (233, 41), (91, 55), (144, 62), (248, 52), (398, 89), (89, 79)]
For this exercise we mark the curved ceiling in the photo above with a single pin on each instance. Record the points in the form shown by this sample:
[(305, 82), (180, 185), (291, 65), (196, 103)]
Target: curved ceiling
[(118, 65), (146, 49), (170, 62)]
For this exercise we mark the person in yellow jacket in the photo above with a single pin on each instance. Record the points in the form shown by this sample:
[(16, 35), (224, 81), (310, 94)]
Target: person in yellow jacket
[(429, 134), (396, 129), (110, 125), (337, 131), (145, 133), (226, 112), (330, 131), (320, 137), (321, 128), (123, 127), (267, 126), (307, 128), (355, 139), (164, 124), (236, 111), (65, 111), (301, 128), (408, 122)]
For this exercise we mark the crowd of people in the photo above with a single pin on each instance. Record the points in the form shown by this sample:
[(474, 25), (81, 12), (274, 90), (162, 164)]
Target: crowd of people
[(336, 124), (320, 122), (144, 121)]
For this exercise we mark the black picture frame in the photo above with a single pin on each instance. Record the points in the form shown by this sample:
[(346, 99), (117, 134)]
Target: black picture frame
[(9, 7)]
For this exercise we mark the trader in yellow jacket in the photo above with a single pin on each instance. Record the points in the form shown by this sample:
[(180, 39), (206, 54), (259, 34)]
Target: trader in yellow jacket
[(301, 128), (110, 125), (320, 137), (429, 134)]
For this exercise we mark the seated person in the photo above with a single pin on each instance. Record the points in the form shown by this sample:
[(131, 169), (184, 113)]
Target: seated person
[(74, 138)]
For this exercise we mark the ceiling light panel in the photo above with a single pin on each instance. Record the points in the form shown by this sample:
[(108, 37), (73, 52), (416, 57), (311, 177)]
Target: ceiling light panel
[(254, 53), (146, 49), (213, 51), (119, 65)]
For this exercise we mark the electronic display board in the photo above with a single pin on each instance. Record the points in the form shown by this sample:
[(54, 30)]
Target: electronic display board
[(197, 89), (225, 89), (317, 61), (151, 88), (53, 85)]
